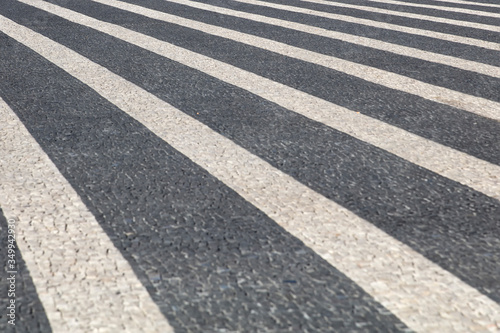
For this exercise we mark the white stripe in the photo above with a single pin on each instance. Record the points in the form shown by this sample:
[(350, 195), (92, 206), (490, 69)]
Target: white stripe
[(346, 18), (417, 291), (455, 22), (82, 280), (442, 8), (291, 51), (468, 170)]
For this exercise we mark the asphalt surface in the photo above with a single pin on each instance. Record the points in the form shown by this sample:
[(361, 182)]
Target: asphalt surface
[(207, 257)]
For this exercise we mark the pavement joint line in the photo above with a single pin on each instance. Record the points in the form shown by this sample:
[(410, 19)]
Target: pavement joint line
[(29, 181), (361, 21), (442, 8), (312, 57), (372, 251), (476, 105), (399, 14), (458, 166)]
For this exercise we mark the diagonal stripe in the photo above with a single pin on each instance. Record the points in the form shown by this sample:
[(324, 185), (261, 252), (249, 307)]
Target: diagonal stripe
[(210, 260), (69, 255), (342, 17), (284, 199), (458, 166), (449, 9), (441, 13), (477, 105), (284, 49), (244, 25), (404, 200), (393, 13)]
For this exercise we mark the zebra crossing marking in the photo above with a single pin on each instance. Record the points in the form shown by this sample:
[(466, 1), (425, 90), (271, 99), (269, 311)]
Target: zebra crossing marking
[(477, 105), (472, 3), (285, 49), (455, 22), (425, 290), (461, 167), (346, 18), (448, 9)]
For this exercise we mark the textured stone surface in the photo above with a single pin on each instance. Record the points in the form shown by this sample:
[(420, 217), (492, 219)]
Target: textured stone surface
[(227, 210), (29, 311), (404, 201), (209, 259), (83, 282)]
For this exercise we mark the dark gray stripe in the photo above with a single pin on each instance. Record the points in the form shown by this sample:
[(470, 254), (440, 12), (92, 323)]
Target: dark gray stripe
[(427, 11), (366, 14), (448, 223), (209, 259), (29, 312), (470, 133)]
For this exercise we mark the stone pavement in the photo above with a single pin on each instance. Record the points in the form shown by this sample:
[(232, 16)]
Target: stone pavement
[(250, 166)]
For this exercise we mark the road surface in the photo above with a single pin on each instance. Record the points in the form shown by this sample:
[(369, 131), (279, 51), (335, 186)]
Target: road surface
[(250, 166)]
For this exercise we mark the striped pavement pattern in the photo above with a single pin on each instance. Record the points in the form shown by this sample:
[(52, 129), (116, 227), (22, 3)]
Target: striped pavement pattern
[(251, 165)]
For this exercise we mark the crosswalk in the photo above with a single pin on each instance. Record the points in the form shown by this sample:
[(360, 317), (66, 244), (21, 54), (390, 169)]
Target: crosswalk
[(251, 166)]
